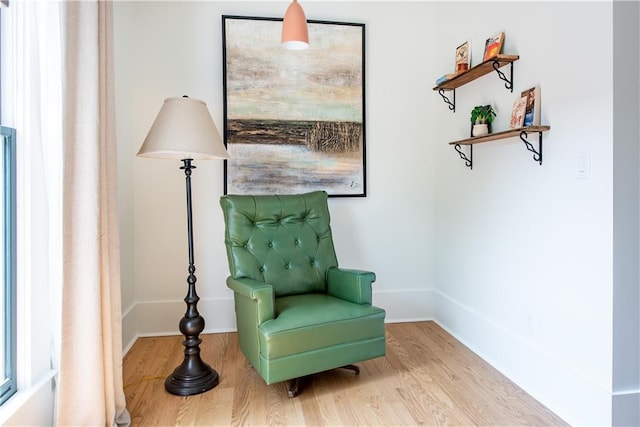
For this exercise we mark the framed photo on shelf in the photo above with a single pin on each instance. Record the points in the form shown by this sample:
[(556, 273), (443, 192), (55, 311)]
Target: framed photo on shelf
[(463, 57), (294, 121), (493, 46)]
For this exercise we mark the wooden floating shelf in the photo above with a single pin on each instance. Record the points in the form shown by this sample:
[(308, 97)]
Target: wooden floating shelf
[(500, 135), (478, 71)]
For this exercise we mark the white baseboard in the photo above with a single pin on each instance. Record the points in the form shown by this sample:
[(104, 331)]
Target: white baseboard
[(160, 318), (408, 305), (129, 333), (547, 379)]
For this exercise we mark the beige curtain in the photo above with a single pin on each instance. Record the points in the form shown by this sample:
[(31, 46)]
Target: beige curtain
[(90, 389)]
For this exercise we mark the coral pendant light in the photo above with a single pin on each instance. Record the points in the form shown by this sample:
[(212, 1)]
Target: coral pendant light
[(295, 35)]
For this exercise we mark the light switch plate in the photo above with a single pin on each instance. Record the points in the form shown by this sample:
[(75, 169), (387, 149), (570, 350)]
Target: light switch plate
[(583, 164)]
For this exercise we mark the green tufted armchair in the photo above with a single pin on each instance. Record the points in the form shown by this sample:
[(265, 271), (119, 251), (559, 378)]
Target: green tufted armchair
[(297, 312)]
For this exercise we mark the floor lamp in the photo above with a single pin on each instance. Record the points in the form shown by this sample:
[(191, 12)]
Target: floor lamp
[(184, 130)]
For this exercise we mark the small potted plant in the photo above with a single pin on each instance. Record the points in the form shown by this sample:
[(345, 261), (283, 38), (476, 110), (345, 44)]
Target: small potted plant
[(481, 118)]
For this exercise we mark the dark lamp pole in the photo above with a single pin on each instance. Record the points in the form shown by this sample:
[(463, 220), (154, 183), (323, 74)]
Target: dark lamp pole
[(193, 376)]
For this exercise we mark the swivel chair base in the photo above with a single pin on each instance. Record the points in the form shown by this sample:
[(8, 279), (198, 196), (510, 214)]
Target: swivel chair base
[(296, 384)]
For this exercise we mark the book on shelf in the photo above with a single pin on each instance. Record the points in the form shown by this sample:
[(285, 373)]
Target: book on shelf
[(532, 109), (493, 46), (517, 113), (445, 78)]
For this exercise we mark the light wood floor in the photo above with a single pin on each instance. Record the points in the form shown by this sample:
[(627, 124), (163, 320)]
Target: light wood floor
[(426, 378)]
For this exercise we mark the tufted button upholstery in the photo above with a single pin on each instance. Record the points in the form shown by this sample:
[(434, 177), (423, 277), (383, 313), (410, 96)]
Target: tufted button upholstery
[(273, 238), (297, 312)]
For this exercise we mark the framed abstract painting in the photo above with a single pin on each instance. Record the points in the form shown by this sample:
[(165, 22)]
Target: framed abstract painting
[(294, 121)]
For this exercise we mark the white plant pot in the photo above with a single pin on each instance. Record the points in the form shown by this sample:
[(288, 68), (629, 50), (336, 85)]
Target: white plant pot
[(479, 130)]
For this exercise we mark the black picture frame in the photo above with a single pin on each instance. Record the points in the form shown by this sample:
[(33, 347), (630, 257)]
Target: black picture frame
[(294, 121)]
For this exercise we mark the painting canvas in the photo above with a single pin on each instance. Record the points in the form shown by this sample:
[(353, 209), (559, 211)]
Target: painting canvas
[(294, 121)]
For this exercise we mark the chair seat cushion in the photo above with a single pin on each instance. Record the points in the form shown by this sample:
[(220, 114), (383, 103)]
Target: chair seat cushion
[(314, 321)]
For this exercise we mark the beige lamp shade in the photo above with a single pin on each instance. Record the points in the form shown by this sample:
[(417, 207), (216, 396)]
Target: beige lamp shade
[(183, 129), (295, 34)]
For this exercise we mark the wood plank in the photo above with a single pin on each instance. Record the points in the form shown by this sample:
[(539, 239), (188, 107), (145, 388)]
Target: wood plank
[(476, 72), (427, 377), (500, 135)]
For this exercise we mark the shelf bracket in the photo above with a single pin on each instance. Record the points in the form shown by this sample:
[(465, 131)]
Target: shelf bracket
[(452, 105), (537, 155), (508, 81), (468, 161)]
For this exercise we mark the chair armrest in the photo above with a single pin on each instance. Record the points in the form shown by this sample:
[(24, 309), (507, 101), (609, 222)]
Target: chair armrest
[(260, 292), (350, 285)]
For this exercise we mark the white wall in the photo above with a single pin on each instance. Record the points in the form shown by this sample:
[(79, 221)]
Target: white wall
[(513, 258), (168, 49), (524, 251)]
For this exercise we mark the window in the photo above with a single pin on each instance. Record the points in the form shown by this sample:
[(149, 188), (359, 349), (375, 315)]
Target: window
[(8, 383)]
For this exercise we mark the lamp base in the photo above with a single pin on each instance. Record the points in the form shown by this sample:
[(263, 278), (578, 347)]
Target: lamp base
[(192, 377)]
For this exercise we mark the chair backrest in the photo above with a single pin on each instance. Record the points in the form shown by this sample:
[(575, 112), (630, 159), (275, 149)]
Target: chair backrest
[(283, 240)]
